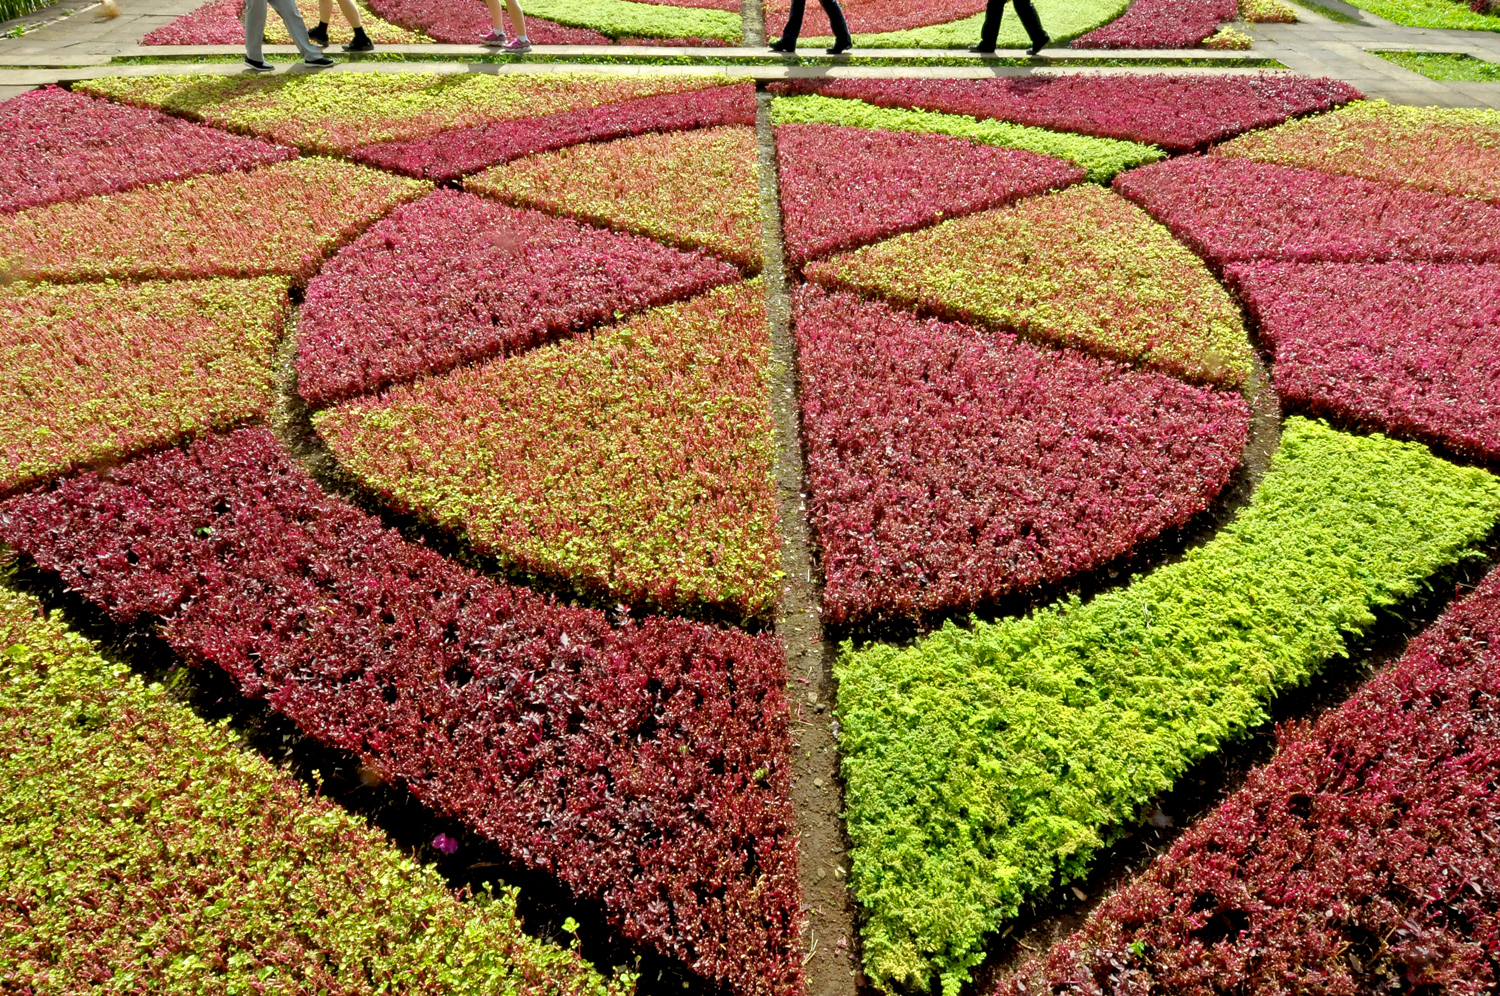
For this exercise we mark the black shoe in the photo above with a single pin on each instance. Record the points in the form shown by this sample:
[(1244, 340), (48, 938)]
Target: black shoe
[(319, 35), (784, 47), (982, 49), (841, 46), (321, 62), (256, 66), (361, 42), (1037, 46)]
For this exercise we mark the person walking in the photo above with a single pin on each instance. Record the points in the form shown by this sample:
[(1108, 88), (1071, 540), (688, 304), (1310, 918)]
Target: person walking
[(319, 35), (787, 43), (519, 45), (990, 30), (255, 34)]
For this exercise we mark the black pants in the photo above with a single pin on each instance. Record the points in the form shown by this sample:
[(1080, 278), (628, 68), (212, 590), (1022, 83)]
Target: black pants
[(992, 11), (835, 18)]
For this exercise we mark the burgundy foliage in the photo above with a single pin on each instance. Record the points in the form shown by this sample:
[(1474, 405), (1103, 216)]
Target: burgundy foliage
[(449, 155), (455, 278), (465, 22), (214, 23), (644, 765), (1408, 349), (1362, 859), (1161, 24), (1178, 113), (61, 146), (843, 187), (951, 465), (1235, 209)]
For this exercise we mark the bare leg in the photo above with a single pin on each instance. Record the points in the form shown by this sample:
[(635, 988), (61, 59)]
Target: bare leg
[(495, 15), (350, 9), (325, 11), (516, 17)]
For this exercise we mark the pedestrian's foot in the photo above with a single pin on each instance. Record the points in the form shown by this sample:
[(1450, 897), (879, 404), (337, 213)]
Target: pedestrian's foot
[(321, 62), (495, 37), (982, 49), (361, 42), (518, 46), (319, 35), (841, 46), (256, 66), (783, 46), (1038, 44)]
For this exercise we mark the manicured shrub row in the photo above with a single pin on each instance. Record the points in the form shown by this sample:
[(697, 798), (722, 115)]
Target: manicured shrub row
[(1177, 113), (1445, 149), (1065, 19), (644, 766), (218, 23), (1081, 267), (1161, 24), (984, 765), (467, 23), (1361, 859), (283, 218), (1236, 209), (1410, 349), (339, 112), (951, 465), (874, 16), (97, 372), (456, 278), (60, 146), (449, 155), (635, 462), (617, 18), (147, 851), (844, 187), (694, 189), (1101, 157), (1268, 12)]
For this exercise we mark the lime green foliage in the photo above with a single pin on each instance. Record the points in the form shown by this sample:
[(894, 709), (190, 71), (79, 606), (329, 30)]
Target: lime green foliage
[(636, 461), (338, 112), (1229, 39), (1268, 12), (1450, 150), (1102, 157), (985, 764), (1447, 66), (1430, 14), (696, 189), (1063, 19), (623, 18), (99, 371), (1081, 267), (143, 850)]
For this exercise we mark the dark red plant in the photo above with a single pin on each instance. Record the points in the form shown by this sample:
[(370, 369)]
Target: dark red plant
[(1161, 24)]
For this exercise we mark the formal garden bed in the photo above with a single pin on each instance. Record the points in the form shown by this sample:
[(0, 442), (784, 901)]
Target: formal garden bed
[(432, 421)]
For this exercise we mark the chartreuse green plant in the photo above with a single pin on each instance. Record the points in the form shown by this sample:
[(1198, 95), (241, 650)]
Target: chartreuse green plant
[(1431, 14), (987, 764), (1101, 157), (144, 850), (622, 18), (1065, 20)]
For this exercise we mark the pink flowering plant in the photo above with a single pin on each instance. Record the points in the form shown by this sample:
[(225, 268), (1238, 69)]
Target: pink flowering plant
[(1161, 24)]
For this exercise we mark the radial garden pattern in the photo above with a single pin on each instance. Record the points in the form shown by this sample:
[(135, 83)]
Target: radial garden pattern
[(1010, 375)]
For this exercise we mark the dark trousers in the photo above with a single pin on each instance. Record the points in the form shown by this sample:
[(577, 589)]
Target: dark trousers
[(835, 18), (1024, 10)]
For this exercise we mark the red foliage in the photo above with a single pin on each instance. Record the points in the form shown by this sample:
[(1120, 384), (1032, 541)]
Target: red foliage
[(950, 465), (1178, 113), (1363, 858), (465, 22), (1236, 209), (1161, 24), (60, 146), (449, 155), (844, 187), (455, 278), (644, 765), (1409, 349), (874, 16)]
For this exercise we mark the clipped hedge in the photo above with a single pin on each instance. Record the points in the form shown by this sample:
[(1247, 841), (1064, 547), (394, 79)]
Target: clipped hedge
[(144, 850), (986, 764)]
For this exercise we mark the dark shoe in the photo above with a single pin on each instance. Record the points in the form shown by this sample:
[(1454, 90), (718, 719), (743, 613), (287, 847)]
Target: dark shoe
[(259, 67), (841, 46), (1037, 46), (784, 47), (319, 35), (982, 49), (321, 62), (361, 42)]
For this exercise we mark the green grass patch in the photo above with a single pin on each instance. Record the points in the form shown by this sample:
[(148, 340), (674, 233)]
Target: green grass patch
[(625, 18), (1446, 66), (986, 764), (1332, 13), (1430, 14)]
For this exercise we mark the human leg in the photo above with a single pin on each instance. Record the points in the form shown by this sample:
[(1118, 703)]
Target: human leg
[(255, 29), (287, 11), (841, 39), (1033, 25), (990, 30), (788, 40)]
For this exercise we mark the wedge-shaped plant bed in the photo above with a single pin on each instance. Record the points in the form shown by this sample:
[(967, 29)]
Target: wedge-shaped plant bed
[(1362, 858), (1161, 24), (1406, 348), (843, 187), (1236, 209), (468, 23), (950, 465), (1064, 18), (1177, 113), (1102, 158), (218, 23), (644, 766), (635, 462), (60, 146), (1450, 150), (280, 219), (142, 840), (336, 113), (96, 372), (628, 19), (694, 189), (449, 155), (984, 765), (1081, 267), (456, 278)]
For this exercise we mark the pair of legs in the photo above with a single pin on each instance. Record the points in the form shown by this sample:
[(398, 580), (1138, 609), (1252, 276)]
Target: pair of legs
[(517, 19), (255, 30), (319, 35), (788, 40), (993, 10)]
